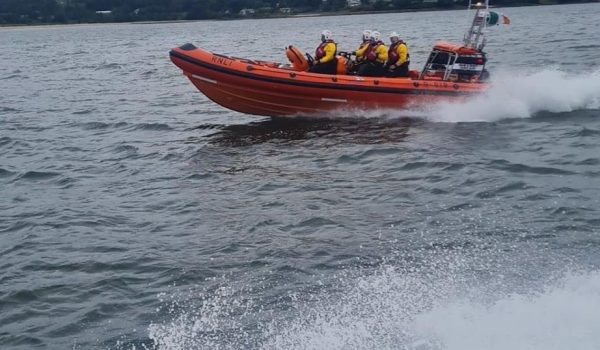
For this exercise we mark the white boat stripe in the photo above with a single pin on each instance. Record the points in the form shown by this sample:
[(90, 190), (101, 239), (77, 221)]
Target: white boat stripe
[(341, 100), (204, 79)]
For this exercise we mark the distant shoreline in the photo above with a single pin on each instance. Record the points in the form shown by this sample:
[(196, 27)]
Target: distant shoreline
[(303, 15)]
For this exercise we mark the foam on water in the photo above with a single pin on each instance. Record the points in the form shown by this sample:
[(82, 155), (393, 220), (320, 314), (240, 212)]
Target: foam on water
[(523, 95), (562, 316), (439, 303), (218, 321), (385, 316), (512, 95)]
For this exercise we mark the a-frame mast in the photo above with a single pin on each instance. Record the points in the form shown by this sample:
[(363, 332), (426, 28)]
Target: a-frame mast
[(475, 37)]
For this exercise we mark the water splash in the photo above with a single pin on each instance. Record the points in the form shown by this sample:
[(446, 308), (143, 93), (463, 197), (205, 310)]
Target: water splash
[(562, 316), (217, 323), (512, 95), (389, 311), (522, 96), (446, 299)]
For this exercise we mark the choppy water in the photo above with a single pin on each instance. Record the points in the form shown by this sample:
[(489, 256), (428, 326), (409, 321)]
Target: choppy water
[(135, 214)]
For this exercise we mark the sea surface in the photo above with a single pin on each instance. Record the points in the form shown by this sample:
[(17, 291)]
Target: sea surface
[(137, 214)]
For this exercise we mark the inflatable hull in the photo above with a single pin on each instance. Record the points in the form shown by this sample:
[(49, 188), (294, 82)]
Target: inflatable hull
[(270, 89)]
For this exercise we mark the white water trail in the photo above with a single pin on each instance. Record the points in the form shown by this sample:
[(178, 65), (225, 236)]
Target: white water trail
[(384, 312), (443, 301), (564, 316), (522, 96), (511, 96)]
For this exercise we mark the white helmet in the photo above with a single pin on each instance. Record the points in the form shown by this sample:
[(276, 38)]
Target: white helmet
[(366, 35), (326, 35), (394, 35), (375, 35)]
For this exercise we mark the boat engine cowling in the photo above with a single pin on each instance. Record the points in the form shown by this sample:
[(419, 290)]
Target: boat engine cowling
[(297, 59)]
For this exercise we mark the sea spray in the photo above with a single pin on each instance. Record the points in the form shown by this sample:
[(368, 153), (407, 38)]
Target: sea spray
[(561, 316), (415, 301), (511, 95), (522, 96)]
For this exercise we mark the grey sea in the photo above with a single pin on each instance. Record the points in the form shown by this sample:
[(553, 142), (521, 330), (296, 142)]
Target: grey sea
[(137, 214)]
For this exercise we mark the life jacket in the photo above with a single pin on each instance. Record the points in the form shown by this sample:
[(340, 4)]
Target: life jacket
[(363, 57), (320, 53), (393, 53), (371, 53)]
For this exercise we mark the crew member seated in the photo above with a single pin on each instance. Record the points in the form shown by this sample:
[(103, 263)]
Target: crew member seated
[(366, 41), (325, 61), (376, 55), (360, 58), (398, 58)]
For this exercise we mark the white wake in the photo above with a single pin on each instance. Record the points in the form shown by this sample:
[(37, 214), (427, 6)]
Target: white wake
[(511, 95), (523, 96), (441, 303)]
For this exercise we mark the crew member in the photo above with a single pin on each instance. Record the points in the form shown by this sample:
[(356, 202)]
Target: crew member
[(360, 52), (366, 41), (376, 55), (398, 57), (325, 61)]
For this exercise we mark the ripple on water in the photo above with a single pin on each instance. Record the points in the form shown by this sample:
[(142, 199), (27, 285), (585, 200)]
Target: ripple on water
[(522, 168), (13, 76), (586, 132), (109, 66), (514, 186), (536, 197), (200, 176), (312, 224), (205, 126), (126, 149), (38, 175), (14, 227), (20, 340), (152, 126), (594, 222), (7, 109), (589, 161), (566, 190), (375, 152), (150, 72), (584, 47), (570, 211), (47, 177), (101, 125), (5, 173), (445, 166), (85, 111), (5, 140)]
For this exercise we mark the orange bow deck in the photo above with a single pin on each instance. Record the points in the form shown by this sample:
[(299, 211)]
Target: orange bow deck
[(272, 89)]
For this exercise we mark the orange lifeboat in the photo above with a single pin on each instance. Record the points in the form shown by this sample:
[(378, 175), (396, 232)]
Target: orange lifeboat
[(452, 72), (274, 89)]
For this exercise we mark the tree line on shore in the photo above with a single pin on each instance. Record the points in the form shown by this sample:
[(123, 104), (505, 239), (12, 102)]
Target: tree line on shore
[(92, 11)]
